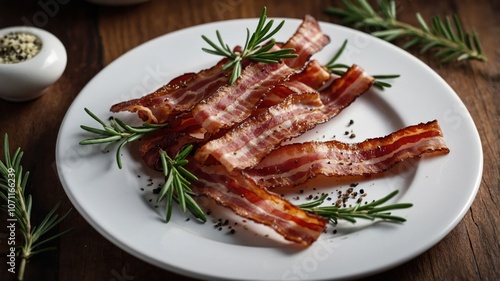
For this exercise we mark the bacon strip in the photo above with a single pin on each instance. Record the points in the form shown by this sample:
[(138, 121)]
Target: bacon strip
[(253, 202), (295, 163), (247, 144), (232, 104), (179, 95), (314, 76), (307, 40)]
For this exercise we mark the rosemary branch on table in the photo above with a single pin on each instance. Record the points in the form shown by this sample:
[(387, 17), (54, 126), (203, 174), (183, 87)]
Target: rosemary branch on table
[(18, 205), (340, 69), (370, 211), (254, 49), (446, 37)]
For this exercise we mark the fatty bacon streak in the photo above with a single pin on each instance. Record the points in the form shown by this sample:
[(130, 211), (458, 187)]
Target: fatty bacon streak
[(251, 201), (246, 145), (293, 164)]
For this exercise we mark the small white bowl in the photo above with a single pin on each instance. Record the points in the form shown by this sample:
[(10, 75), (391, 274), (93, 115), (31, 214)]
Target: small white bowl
[(29, 79)]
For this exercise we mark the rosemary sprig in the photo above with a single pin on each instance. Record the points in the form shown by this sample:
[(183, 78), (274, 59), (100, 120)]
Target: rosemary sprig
[(447, 36), (370, 211), (117, 131), (340, 69), (177, 182), (177, 178), (18, 206), (253, 48)]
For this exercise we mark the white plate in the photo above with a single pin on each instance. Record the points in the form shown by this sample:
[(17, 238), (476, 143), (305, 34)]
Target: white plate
[(441, 188)]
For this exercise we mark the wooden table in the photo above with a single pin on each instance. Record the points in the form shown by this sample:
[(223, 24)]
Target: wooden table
[(94, 36)]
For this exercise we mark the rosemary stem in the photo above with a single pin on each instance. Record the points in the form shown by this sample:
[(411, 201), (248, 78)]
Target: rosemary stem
[(26, 249), (22, 268)]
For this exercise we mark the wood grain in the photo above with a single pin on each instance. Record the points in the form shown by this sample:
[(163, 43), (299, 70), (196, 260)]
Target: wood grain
[(95, 36)]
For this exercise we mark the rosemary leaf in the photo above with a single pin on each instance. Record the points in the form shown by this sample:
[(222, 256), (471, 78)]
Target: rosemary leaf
[(422, 23), (331, 63), (450, 30), (195, 209), (412, 42), (166, 186), (458, 28)]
